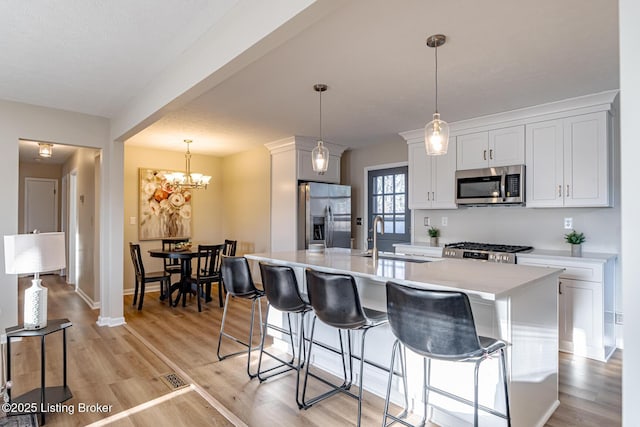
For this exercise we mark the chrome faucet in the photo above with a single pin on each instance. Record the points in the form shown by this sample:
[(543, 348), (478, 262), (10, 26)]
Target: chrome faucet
[(374, 251)]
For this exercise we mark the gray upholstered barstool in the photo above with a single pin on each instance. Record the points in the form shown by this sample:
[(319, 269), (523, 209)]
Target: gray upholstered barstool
[(335, 301), (438, 325)]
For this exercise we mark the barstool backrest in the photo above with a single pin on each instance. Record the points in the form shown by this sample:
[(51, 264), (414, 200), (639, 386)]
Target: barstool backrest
[(436, 324), (335, 300), (281, 287), (236, 276)]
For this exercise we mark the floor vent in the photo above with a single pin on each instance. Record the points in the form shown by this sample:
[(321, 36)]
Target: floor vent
[(173, 381)]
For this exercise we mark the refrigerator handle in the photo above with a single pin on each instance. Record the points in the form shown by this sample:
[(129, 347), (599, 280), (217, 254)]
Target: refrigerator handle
[(329, 233)]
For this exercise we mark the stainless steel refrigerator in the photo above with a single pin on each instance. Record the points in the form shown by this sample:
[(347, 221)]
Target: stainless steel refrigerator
[(324, 215)]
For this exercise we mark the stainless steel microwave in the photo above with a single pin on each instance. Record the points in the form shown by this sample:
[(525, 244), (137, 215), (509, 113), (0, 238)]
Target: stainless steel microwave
[(502, 185)]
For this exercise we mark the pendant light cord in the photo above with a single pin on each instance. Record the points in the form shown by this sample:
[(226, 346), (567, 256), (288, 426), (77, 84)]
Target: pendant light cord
[(320, 115), (436, 47)]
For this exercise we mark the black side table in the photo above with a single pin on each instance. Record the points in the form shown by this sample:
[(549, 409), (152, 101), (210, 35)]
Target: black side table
[(44, 396)]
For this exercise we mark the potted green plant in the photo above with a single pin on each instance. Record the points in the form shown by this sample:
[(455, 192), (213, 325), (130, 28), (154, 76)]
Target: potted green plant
[(434, 233), (576, 240)]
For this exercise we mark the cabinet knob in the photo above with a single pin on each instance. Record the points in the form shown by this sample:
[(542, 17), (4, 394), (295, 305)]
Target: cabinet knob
[(559, 190), (567, 190), (484, 154), (560, 288), (491, 154)]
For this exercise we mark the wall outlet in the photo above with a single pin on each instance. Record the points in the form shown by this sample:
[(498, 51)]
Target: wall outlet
[(445, 221), (619, 319), (427, 221), (568, 223)]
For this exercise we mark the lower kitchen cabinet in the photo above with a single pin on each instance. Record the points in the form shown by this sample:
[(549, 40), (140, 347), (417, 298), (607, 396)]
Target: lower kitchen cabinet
[(586, 304)]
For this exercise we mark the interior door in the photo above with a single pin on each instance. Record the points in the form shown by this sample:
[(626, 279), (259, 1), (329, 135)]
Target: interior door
[(41, 205)]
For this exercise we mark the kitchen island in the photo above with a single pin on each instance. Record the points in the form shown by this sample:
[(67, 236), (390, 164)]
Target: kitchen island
[(518, 304)]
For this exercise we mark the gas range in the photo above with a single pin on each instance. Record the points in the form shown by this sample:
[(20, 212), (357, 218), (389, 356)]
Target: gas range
[(484, 251)]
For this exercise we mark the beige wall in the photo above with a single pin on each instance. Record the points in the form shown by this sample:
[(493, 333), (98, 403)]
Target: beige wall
[(352, 173), (207, 205), (246, 200), (36, 170), (82, 163)]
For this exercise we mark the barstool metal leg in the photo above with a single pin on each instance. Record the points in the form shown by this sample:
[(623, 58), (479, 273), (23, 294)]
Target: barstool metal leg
[(506, 386), (475, 392)]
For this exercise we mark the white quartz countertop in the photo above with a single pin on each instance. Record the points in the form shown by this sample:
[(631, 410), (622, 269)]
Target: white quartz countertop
[(487, 280)]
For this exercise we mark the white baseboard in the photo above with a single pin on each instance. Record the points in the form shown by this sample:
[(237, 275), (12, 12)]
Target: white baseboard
[(110, 321), (94, 305)]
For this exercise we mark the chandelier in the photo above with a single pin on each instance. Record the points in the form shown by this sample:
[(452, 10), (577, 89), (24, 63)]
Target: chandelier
[(320, 154), (436, 132), (189, 180)]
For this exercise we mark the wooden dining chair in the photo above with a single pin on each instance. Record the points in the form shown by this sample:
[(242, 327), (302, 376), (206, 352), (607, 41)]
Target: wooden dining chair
[(172, 265), (229, 250), (208, 271), (142, 277)]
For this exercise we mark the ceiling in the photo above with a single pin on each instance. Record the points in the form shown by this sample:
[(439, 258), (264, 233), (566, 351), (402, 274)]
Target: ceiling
[(500, 55)]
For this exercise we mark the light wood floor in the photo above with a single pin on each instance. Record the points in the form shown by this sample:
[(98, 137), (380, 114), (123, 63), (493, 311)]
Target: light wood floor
[(121, 367)]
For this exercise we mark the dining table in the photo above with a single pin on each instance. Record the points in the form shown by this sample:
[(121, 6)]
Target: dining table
[(185, 255)]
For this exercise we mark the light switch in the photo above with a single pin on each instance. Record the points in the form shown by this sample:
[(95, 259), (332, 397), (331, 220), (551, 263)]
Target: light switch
[(427, 221), (445, 221), (133, 220)]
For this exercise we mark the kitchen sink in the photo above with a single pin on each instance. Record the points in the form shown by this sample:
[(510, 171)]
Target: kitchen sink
[(394, 257)]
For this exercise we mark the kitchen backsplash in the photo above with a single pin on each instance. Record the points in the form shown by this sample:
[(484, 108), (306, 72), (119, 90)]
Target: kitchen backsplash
[(540, 228)]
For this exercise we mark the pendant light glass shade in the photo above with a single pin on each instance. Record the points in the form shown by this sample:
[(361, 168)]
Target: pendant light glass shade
[(320, 154), (436, 136), (436, 132), (320, 158)]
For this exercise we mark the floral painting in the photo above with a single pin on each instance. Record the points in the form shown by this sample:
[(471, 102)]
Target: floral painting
[(165, 211)]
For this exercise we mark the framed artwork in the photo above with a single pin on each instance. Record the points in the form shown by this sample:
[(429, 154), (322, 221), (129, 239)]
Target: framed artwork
[(164, 211)]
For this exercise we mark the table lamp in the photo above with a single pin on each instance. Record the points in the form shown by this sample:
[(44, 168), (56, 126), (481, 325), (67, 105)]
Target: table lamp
[(34, 253)]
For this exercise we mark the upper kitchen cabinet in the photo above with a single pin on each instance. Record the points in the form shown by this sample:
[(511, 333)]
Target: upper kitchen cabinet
[(290, 164), (497, 147), (431, 178), (568, 161)]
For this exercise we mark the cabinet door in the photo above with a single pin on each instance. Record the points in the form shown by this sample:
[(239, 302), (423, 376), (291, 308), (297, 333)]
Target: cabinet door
[(506, 146), (473, 150), (586, 170), (420, 176), (580, 317), (306, 173), (544, 162), (444, 179)]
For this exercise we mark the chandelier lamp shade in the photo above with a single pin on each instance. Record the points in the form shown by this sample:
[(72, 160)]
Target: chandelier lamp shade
[(320, 154), (45, 149), (188, 180), (34, 254), (436, 132)]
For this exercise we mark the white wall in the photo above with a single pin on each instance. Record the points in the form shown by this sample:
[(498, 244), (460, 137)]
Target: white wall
[(44, 124), (630, 149)]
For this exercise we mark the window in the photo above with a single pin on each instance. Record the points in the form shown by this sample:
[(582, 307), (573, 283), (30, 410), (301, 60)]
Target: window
[(388, 198)]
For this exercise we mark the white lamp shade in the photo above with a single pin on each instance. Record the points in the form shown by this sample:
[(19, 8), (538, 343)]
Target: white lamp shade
[(34, 253)]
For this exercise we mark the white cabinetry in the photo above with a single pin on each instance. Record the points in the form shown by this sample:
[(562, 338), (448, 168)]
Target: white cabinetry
[(290, 164), (586, 304), (568, 162), (431, 178), (497, 147)]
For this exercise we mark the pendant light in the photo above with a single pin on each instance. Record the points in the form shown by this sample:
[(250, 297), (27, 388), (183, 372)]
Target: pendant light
[(436, 132), (320, 154)]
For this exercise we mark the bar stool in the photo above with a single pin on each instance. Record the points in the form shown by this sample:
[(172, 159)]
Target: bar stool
[(237, 280), (335, 301), (438, 325), (281, 288)]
